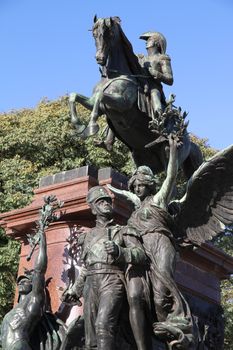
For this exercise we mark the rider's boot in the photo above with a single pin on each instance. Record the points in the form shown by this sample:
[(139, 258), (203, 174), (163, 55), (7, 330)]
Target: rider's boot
[(107, 144)]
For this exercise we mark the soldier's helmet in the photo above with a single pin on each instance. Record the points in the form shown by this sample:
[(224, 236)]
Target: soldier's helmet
[(22, 277), (28, 275), (24, 283), (96, 193), (158, 38)]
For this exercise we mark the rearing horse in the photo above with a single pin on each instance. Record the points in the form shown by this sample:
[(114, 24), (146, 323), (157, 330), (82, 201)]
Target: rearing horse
[(117, 96)]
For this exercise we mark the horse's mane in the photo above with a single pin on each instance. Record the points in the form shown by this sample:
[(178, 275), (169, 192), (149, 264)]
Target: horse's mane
[(132, 59)]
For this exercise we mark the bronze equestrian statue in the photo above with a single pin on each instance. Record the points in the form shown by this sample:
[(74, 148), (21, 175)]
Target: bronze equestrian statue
[(121, 96)]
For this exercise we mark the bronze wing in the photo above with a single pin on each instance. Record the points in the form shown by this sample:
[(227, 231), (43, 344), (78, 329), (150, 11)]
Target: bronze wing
[(207, 206)]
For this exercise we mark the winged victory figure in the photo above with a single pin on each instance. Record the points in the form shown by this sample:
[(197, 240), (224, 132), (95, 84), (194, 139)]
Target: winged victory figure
[(166, 226)]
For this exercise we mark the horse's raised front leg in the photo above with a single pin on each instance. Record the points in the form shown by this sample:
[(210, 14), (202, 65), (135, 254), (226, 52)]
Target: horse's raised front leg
[(93, 127), (75, 120), (114, 100), (89, 103)]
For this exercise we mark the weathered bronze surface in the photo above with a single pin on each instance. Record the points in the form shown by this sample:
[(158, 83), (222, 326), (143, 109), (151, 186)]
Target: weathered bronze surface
[(131, 300), (166, 227), (170, 317), (107, 250), (128, 279), (157, 66), (29, 325), (130, 94)]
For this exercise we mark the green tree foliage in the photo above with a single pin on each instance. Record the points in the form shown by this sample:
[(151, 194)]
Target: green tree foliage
[(41, 141), (9, 252)]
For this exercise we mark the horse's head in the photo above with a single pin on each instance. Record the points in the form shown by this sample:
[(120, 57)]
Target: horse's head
[(105, 32)]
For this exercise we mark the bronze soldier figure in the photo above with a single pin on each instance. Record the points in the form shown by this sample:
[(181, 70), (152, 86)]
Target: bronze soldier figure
[(158, 65), (19, 323), (107, 250)]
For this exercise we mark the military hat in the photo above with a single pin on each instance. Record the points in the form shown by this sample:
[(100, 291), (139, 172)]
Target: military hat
[(158, 37), (96, 193), (23, 277), (28, 275), (147, 35)]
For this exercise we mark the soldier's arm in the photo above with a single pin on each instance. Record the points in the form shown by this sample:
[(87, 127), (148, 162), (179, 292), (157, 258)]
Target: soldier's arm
[(133, 252), (164, 75), (40, 267)]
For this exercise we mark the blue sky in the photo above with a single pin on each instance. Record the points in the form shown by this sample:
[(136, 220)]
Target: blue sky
[(47, 51)]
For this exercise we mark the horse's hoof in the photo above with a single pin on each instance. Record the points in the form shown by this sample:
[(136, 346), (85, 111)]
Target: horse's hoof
[(103, 144), (91, 130), (72, 97), (99, 143), (109, 146), (80, 128)]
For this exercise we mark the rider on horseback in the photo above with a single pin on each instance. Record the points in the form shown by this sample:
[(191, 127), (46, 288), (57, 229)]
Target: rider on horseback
[(158, 65), (157, 70)]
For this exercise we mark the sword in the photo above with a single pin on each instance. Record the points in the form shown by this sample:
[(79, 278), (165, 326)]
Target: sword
[(109, 236)]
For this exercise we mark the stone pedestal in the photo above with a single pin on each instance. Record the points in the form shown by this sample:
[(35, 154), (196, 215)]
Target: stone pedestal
[(198, 272)]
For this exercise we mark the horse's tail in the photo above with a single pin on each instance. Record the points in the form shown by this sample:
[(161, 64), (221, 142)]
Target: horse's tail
[(193, 161)]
